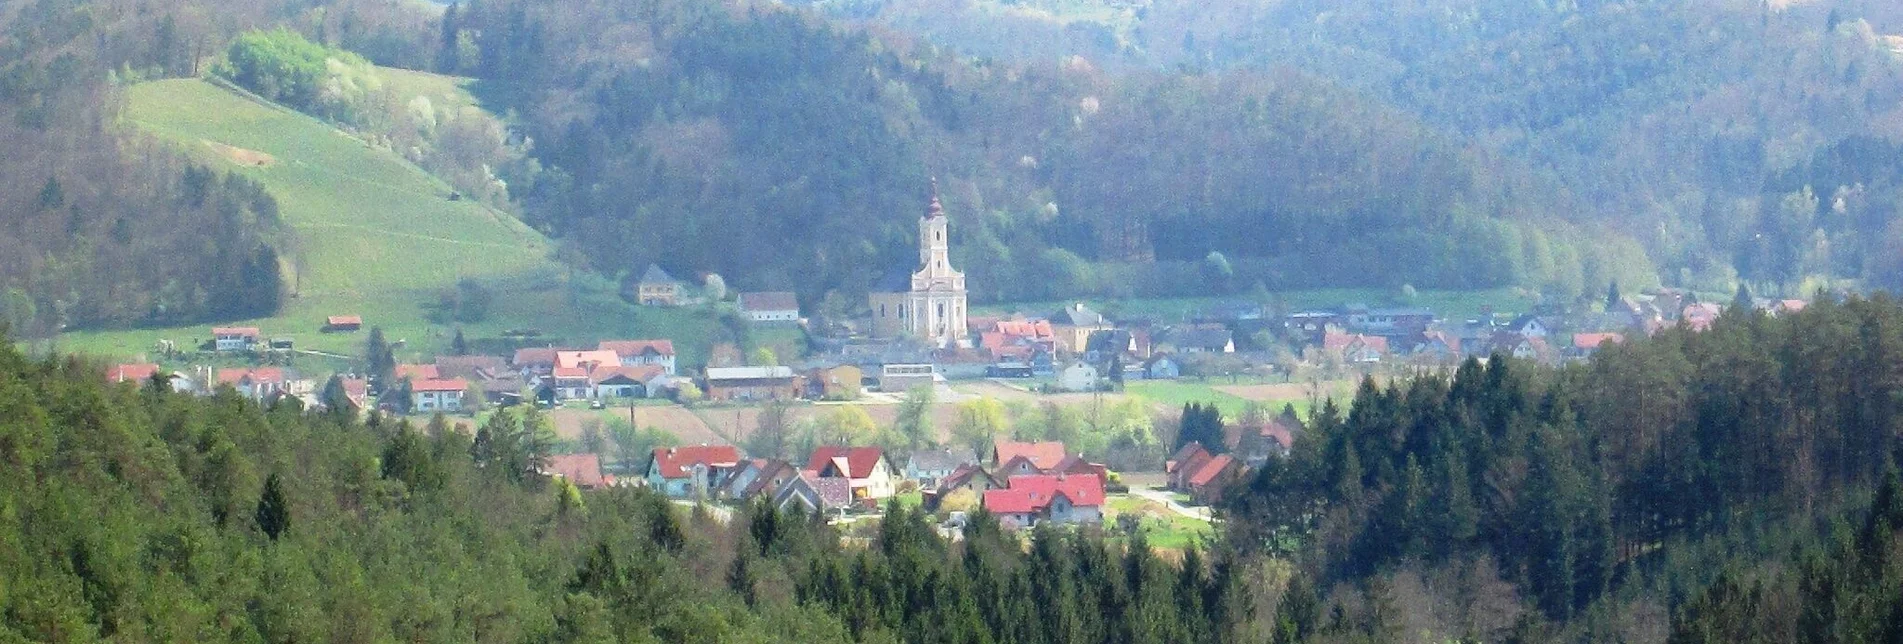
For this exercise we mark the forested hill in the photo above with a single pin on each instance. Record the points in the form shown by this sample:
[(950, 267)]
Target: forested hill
[(783, 152), (1670, 120)]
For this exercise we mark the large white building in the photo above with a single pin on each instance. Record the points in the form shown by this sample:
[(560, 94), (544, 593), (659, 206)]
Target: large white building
[(933, 310)]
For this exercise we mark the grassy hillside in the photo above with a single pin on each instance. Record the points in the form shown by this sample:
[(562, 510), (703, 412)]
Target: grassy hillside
[(376, 236)]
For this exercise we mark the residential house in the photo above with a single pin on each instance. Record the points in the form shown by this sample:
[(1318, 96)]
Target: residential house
[(841, 382), (1188, 460), (616, 381), (1529, 325), (1355, 348), (472, 368), (1700, 316), (1079, 376), (1670, 303), (635, 353), (758, 476), (691, 471), (235, 338), (342, 323), (1073, 325), (1524, 347), (1273, 439), (356, 391), (657, 288), (929, 466), (752, 383), (1012, 458), (864, 467), (771, 306), (1586, 344), (1103, 346), (904, 377), (583, 470), (534, 362), (1389, 321), (1784, 307), (1206, 484), (433, 395), (255, 383), (1162, 367), (813, 494), (1075, 465), (1027, 501), (1198, 338), (134, 373), (415, 372), (967, 477), (1437, 346), (1018, 337)]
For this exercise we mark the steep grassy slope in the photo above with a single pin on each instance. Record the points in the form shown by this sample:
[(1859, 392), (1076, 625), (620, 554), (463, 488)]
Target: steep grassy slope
[(376, 236)]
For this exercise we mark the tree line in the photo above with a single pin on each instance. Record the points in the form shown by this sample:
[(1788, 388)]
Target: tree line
[(1604, 488)]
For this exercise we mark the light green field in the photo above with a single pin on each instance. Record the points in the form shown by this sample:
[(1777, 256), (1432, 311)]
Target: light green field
[(1163, 529), (378, 237), (1174, 394)]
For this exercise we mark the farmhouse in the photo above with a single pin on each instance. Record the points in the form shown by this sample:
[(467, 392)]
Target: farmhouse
[(813, 494), (257, 383), (342, 323), (1013, 458), (657, 288), (1073, 325), (635, 353), (770, 306), (235, 338), (137, 373), (752, 383), (929, 466)]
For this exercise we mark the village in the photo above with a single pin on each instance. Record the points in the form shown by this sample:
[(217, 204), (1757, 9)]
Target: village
[(919, 340)]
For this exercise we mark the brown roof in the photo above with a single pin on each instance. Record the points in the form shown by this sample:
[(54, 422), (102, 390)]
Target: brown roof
[(260, 374), (1183, 455), (534, 355), (444, 384), (584, 470), (417, 372), (471, 367), (637, 347), (1210, 470), (235, 330), (1043, 455), (344, 320), (769, 301), (637, 373)]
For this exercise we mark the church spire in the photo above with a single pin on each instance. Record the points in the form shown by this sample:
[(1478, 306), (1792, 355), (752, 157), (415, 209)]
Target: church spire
[(936, 209)]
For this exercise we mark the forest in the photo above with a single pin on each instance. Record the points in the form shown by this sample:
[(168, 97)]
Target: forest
[(1711, 483), (1734, 485)]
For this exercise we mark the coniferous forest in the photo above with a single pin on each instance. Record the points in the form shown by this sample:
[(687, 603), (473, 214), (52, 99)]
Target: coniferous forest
[(1738, 484)]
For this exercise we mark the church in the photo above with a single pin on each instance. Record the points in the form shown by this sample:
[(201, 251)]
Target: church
[(933, 309)]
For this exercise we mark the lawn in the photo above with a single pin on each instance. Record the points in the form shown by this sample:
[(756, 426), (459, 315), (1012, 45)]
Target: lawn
[(1232, 397), (378, 237), (1164, 529)]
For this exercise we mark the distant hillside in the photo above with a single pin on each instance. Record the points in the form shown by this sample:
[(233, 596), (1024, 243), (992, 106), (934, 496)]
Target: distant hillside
[(367, 222), (376, 236)]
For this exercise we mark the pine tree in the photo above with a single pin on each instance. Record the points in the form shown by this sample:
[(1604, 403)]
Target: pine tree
[(458, 345), (274, 513), (1614, 299), (379, 357)]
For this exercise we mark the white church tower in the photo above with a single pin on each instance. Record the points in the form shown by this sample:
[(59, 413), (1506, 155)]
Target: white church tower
[(933, 310)]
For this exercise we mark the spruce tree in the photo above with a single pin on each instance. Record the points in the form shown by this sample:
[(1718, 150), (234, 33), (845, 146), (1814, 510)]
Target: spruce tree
[(274, 513)]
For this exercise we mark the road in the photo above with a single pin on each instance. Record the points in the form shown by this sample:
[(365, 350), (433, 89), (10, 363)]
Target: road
[(1160, 496)]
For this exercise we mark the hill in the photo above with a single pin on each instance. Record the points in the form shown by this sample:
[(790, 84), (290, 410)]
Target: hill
[(375, 235)]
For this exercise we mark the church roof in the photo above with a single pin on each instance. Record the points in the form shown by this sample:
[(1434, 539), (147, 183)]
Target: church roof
[(936, 209)]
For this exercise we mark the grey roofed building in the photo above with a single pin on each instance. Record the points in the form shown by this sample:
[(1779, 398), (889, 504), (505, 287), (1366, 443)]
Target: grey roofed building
[(654, 275), (1202, 340), (769, 301), (1078, 315)]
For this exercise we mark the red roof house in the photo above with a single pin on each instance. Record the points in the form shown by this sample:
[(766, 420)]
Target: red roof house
[(1208, 481), (690, 470), (1028, 500), (1042, 455), (131, 372), (865, 468)]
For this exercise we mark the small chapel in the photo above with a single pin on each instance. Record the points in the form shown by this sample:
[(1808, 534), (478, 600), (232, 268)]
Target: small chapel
[(932, 310)]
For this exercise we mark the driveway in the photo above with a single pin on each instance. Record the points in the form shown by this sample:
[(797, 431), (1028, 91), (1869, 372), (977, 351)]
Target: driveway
[(1163, 497)]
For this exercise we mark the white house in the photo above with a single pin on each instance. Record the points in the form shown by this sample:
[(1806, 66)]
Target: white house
[(771, 306), (1078, 377), (929, 466), (235, 338), (437, 395), (1026, 501), (865, 468), (694, 470), (637, 353)]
